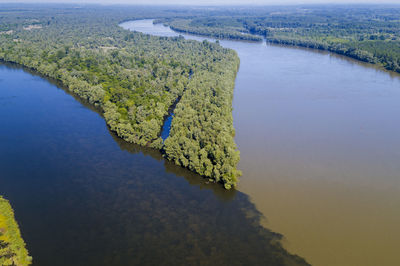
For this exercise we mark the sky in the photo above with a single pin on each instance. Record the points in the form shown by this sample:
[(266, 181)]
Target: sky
[(207, 2)]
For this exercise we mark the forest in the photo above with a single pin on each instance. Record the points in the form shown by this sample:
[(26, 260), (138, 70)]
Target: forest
[(134, 78), (369, 33), (12, 246)]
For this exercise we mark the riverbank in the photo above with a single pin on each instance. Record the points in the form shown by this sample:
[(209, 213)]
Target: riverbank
[(12, 246), (339, 49)]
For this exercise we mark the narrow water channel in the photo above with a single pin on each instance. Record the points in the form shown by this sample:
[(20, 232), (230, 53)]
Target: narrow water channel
[(320, 149), (166, 128)]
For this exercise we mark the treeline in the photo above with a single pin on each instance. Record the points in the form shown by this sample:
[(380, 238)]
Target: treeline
[(210, 30), (12, 246), (367, 33), (134, 78)]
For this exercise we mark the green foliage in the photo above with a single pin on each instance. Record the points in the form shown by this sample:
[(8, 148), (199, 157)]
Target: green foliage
[(135, 79), (12, 246), (215, 28), (367, 33), (202, 132)]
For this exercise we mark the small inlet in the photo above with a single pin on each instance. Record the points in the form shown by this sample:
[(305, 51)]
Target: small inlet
[(166, 127)]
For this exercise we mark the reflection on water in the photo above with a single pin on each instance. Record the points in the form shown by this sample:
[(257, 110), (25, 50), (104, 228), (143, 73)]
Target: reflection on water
[(319, 142), (84, 197)]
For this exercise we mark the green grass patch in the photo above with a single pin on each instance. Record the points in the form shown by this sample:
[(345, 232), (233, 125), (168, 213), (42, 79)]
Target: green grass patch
[(12, 246)]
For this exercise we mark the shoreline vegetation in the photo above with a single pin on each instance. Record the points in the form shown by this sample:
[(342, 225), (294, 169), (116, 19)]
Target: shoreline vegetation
[(12, 246), (134, 79), (230, 33), (366, 33)]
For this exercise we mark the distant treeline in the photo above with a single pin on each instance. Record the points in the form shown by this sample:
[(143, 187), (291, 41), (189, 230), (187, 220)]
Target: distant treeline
[(205, 27), (12, 246), (367, 33), (135, 78)]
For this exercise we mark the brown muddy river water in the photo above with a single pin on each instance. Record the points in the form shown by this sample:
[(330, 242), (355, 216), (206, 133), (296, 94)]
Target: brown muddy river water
[(319, 137)]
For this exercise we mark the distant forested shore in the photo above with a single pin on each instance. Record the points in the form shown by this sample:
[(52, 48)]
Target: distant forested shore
[(187, 26), (134, 79), (369, 33)]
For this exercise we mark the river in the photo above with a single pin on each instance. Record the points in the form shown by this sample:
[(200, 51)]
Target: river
[(82, 196), (320, 149)]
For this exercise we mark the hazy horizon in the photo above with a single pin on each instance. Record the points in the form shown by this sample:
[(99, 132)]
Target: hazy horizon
[(201, 2)]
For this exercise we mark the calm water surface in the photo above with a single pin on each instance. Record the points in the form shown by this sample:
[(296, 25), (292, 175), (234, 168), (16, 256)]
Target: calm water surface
[(320, 149), (84, 197)]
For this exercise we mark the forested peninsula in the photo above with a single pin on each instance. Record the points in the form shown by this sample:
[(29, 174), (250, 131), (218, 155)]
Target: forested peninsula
[(134, 79), (369, 33), (12, 246)]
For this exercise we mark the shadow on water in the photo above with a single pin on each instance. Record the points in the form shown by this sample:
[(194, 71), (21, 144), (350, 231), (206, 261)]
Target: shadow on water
[(192, 178), (82, 196)]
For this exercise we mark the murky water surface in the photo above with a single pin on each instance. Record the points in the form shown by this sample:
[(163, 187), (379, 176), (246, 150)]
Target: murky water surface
[(319, 137)]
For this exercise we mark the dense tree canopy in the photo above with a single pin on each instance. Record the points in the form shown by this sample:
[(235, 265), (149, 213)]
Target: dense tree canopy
[(134, 79)]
